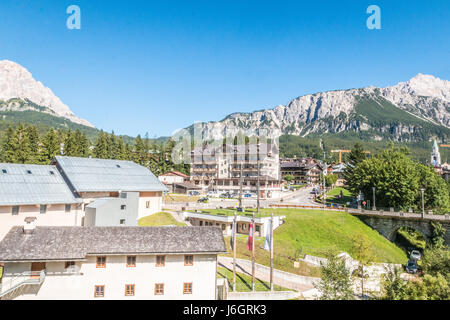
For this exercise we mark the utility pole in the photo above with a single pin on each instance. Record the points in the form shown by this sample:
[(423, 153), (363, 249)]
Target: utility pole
[(374, 204), (324, 173), (240, 187), (423, 202), (253, 252), (271, 252), (234, 251), (257, 183)]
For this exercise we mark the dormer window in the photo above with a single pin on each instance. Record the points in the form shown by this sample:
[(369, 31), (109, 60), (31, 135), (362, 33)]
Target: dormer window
[(4, 171), (118, 165), (29, 172), (52, 173)]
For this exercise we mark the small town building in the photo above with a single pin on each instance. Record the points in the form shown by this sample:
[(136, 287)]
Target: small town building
[(36, 190), (220, 168), (59, 193), (304, 171), (172, 178), (113, 211), (49, 263), (225, 222)]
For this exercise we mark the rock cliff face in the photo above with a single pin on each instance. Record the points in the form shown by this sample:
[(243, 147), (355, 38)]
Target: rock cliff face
[(19, 91), (409, 111)]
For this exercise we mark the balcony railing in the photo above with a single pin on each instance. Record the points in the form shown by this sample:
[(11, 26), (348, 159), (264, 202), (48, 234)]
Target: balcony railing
[(9, 284)]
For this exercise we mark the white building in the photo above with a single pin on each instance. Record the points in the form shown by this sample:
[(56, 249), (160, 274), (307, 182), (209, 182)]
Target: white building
[(225, 222), (58, 194), (219, 168), (110, 262)]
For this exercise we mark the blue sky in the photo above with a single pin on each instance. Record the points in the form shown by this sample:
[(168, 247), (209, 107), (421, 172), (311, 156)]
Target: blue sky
[(156, 66)]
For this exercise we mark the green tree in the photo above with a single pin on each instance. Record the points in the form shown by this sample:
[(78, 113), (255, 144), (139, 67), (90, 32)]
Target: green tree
[(101, 146), (288, 178), (330, 179), (18, 146), (393, 286), (33, 138), (50, 146), (335, 282), (362, 252)]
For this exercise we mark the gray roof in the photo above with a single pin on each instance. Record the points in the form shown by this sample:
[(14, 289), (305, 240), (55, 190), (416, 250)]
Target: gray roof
[(18, 187), (74, 243), (96, 175)]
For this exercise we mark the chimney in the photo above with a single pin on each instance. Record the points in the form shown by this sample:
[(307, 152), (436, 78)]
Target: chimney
[(29, 225)]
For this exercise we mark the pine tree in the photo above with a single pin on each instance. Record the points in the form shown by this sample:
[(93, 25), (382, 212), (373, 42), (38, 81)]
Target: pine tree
[(70, 144), (8, 146), (101, 146), (33, 137), (50, 146), (82, 144), (140, 155), (19, 146)]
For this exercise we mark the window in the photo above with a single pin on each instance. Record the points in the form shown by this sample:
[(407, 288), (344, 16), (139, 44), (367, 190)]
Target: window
[(123, 207), (117, 165), (160, 261), (189, 260), (187, 288), (223, 227), (4, 171), (99, 291), (257, 228), (43, 208), (15, 210), (68, 207), (52, 173), (69, 264), (131, 261), (101, 262), (122, 221), (29, 172), (201, 223), (129, 289), (159, 288), (147, 204)]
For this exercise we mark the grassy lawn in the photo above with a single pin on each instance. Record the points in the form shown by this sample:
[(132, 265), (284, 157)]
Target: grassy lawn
[(333, 196), (314, 232), (244, 281), (159, 219), (174, 197)]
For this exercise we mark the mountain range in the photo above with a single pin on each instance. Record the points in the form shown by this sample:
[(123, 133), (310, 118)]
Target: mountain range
[(415, 110), (19, 91)]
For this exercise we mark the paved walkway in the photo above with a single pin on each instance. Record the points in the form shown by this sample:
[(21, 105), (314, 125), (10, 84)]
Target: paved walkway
[(178, 218), (290, 281)]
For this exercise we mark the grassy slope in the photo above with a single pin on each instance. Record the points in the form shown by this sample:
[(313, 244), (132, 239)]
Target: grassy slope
[(333, 196), (244, 281), (159, 219), (314, 232)]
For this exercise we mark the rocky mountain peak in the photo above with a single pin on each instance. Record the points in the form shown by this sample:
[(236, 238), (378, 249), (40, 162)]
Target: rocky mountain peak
[(16, 82)]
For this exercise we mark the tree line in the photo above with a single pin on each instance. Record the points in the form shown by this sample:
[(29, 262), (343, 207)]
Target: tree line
[(397, 179), (24, 144)]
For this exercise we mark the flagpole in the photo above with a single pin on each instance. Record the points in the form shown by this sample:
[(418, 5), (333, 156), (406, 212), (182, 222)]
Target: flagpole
[(271, 252), (253, 252), (234, 252)]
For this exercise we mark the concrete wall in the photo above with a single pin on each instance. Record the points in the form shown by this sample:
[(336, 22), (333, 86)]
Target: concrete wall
[(263, 295), (155, 203), (55, 216), (388, 226), (59, 284), (110, 212)]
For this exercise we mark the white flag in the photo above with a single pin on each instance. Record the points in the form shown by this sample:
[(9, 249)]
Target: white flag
[(268, 240)]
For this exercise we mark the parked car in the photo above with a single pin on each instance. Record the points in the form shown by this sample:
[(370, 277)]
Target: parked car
[(247, 195), (411, 266), (203, 200), (193, 193), (211, 194), (415, 255)]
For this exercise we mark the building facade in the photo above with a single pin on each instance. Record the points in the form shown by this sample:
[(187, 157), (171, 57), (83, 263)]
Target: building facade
[(220, 168), (59, 193), (304, 171), (110, 263)]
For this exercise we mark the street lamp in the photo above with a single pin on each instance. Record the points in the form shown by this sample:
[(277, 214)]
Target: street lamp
[(374, 205), (423, 202)]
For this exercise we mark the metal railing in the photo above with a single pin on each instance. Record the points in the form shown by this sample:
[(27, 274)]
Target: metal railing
[(9, 284)]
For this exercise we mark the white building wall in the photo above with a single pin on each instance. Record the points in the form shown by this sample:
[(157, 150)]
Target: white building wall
[(55, 216), (116, 275), (155, 203)]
